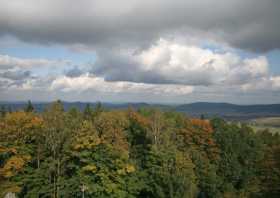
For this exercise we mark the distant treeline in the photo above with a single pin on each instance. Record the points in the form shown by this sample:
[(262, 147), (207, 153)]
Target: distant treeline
[(133, 153), (209, 110)]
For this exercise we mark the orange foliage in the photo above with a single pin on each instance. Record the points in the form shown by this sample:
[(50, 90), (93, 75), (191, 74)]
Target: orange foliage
[(7, 150), (203, 124), (111, 128), (139, 119), (202, 139)]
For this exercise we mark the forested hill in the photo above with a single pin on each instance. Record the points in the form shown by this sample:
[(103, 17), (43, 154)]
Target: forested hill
[(134, 154), (225, 110), (230, 111)]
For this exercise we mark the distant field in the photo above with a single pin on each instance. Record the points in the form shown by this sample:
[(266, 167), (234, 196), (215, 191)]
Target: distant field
[(271, 123), (271, 129)]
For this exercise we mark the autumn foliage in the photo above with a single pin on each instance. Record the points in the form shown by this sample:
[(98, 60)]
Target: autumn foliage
[(133, 153)]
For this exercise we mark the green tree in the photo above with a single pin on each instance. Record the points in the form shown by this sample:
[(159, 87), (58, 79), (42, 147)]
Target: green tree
[(56, 134), (169, 174), (29, 107), (98, 108), (3, 111), (270, 165), (88, 112), (241, 152)]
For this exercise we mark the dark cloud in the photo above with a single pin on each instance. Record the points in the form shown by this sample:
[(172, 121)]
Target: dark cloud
[(120, 31), (116, 67), (14, 78), (16, 75), (250, 24), (74, 72)]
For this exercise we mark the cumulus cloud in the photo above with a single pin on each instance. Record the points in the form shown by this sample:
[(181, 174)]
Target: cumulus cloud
[(265, 84), (18, 73), (169, 62), (142, 47), (167, 67), (250, 24)]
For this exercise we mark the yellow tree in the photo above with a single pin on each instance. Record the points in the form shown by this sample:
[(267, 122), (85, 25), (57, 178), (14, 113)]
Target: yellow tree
[(111, 128), (17, 132)]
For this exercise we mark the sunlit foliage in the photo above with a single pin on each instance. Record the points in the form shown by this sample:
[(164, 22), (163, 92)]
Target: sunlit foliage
[(128, 153)]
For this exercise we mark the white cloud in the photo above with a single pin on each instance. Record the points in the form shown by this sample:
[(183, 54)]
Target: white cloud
[(10, 62), (21, 73), (90, 82), (171, 62), (265, 84)]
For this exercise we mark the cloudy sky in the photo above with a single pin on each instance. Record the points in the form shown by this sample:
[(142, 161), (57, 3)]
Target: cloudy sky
[(157, 51)]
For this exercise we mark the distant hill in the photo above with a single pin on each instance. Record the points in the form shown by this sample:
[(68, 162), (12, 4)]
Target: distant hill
[(230, 111), (225, 110)]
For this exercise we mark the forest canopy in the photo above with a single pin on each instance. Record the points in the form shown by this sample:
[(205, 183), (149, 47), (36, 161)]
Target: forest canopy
[(133, 153)]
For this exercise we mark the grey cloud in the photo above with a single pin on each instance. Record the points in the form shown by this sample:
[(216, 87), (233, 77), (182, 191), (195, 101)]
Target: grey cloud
[(116, 67), (16, 75), (169, 62), (10, 62), (15, 78), (74, 72), (4, 83), (251, 24)]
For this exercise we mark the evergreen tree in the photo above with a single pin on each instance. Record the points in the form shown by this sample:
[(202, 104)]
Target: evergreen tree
[(88, 112), (29, 107), (98, 109), (202, 117), (3, 111)]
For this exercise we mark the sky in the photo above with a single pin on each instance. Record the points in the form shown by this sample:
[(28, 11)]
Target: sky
[(155, 51)]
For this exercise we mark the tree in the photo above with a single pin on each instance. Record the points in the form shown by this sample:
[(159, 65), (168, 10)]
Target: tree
[(241, 152), (270, 165), (17, 134), (56, 135), (98, 108), (29, 107), (12, 163), (3, 111), (169, 173), (110, 127), (88, 112), (202, 117), (144, 153), (100, 166)]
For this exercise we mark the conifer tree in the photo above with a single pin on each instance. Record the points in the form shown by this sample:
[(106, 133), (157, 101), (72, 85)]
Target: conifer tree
[(29, 107), (3, 111)]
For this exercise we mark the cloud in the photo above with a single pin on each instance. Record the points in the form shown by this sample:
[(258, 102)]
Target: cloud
[(170, 62), (14, 80), (265, 84), (169, 70), (10, 62), (19, 73), (89, 82), (16, 75), (144, 48), (74, 72), (250, 24)]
